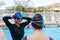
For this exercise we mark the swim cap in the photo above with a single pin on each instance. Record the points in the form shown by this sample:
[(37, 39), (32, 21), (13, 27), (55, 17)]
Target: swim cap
[(37, 17), (17, 15), (37, 21)]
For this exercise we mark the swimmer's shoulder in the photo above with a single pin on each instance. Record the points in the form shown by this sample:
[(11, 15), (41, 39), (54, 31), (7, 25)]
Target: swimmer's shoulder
[(31, 37), (49, 38)]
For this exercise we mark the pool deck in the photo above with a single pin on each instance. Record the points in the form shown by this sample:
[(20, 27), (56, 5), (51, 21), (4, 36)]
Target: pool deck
[(3, 24), (2, 36)]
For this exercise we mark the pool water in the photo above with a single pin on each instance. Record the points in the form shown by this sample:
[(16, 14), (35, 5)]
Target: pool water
[(51, 31)]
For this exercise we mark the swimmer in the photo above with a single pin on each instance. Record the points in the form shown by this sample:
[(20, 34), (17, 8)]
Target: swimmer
[(16, 29), (37, 25)]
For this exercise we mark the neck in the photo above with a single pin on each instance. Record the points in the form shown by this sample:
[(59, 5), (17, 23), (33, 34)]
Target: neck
[(38, 32), (17, 24)]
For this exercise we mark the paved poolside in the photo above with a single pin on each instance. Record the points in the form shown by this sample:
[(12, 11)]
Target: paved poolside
[(2, 36)]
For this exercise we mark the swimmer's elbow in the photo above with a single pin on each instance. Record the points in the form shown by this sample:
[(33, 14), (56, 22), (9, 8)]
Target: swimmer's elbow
[(3, 18)]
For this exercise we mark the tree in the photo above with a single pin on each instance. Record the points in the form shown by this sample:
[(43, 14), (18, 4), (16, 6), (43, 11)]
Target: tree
[(20, 8)]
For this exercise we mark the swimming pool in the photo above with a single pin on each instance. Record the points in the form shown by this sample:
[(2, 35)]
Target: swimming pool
[(51, 31)]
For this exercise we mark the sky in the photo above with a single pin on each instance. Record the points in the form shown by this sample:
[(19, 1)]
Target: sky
[(32, 3)]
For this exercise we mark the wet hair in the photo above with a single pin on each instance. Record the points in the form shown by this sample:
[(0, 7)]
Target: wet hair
[(37, 21)]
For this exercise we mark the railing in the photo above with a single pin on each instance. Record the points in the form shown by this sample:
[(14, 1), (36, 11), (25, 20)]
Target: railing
[(50, 17), (46, 24)]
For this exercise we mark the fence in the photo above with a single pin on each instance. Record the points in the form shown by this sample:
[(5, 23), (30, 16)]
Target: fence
[(49, 17)]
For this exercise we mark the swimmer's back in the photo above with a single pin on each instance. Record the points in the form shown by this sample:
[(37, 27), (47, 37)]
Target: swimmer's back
[(25, 38), (37, 37)]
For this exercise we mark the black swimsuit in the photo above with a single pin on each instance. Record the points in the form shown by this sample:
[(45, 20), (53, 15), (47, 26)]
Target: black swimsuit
[(16, 32)]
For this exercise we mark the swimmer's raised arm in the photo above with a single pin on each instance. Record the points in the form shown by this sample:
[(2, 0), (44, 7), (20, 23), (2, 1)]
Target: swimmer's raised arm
[(5, 19), (27, 22), (26, 18)]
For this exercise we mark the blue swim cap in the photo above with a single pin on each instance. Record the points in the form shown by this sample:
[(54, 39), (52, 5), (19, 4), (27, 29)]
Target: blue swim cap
[(17, 15)]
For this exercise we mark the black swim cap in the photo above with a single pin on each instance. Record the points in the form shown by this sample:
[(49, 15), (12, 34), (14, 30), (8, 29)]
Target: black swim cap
[(37, 21)]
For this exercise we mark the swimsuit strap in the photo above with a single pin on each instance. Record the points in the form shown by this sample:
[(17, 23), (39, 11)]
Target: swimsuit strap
[(24, 38), (50, 38)]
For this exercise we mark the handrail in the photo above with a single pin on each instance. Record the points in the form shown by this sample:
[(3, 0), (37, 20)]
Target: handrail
[(3, 25)]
